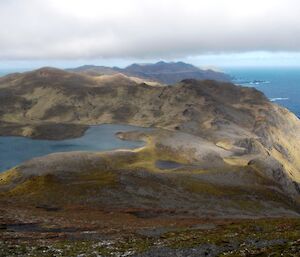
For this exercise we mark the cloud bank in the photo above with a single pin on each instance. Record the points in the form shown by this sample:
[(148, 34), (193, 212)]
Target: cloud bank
[(72, 29)]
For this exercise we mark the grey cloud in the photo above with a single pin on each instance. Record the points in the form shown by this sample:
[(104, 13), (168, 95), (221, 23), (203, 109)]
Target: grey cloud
[(70, 29)]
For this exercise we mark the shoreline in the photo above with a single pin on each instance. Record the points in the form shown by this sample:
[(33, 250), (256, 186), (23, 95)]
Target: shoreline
[(53, 130)]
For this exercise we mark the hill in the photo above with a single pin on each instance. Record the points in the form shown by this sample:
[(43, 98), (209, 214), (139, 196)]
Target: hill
[(162, 72)]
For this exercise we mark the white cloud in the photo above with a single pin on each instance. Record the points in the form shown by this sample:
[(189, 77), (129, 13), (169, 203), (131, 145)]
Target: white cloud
[(70, 29)]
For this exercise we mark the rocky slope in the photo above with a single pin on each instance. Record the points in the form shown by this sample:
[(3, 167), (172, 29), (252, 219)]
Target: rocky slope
[(236, 153), (166, 73)]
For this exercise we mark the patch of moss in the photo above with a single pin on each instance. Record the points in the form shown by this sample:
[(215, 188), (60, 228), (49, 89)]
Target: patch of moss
[(35, 185), (8, 176), (77, 187)]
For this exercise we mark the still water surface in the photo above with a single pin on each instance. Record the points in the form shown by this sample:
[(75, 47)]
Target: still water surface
[(15, 150)]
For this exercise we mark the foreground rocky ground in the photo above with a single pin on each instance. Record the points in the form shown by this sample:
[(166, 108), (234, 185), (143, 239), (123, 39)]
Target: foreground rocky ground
[(79, 231)]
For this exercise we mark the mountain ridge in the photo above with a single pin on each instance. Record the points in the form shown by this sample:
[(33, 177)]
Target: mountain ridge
[(163, 72)]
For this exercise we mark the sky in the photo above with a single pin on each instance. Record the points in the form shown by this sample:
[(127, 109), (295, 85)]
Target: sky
[(67, 33)]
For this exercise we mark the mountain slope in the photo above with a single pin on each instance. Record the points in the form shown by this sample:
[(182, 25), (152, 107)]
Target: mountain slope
[(234, 148)]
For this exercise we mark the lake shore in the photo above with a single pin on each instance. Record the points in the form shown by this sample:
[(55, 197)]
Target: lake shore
[(43, 130)]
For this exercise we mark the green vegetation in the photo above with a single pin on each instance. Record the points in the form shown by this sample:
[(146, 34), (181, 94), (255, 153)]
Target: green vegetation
[(8, 176), (50, 189)]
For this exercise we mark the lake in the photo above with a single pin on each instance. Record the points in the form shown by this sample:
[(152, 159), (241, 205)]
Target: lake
[(15, 150)]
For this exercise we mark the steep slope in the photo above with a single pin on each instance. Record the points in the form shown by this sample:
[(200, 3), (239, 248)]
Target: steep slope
[(234, 149), (163, 72)]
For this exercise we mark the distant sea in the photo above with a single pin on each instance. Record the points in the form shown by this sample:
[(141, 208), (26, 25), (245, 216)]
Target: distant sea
[(9, 71), (280, 85)]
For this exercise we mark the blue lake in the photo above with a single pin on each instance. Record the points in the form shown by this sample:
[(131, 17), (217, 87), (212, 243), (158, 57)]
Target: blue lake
[(15, 150)]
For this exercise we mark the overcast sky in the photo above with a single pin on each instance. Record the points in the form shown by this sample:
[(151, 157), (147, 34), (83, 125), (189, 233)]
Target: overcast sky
[(116, 32)]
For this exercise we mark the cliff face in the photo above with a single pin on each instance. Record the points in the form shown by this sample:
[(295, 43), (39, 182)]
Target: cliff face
[(235, 146)]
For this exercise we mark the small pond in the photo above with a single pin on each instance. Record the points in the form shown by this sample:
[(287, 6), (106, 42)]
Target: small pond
[(168, 165)]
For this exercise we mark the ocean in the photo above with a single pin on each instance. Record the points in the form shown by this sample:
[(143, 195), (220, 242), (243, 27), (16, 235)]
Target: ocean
[(280, 85), (9, 71)]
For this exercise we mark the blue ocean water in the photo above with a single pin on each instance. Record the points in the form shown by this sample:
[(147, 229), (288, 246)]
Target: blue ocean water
[(280, 85), (15, 150), (4, 72)]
